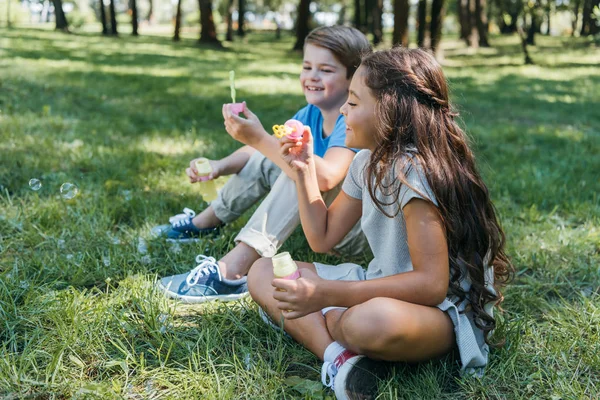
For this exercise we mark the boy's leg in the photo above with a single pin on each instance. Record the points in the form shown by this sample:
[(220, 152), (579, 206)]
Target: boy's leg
[(273, 221), (240, 192), (272, 224)]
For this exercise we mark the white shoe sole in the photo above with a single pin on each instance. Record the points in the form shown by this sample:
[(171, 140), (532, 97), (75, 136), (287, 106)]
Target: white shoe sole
[(201, 299)]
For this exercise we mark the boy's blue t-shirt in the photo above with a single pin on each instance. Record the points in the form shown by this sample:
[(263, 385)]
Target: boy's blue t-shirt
[(311, 116)]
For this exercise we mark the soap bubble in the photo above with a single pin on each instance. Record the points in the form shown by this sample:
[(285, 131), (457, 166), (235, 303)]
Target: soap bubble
[(68, 190), (35, 184), (106, 260)]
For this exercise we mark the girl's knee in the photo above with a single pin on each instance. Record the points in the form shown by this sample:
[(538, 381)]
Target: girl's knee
[(374, 325), (260, 277)]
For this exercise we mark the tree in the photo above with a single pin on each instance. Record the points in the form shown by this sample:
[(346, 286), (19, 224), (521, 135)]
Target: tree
[(401, 11), (481, 22), (103, 17), (435, 28), (113, 18), (208, 31), (302, 23), (134, 17), (376, 20), (241, 18), (229, 19), (61, 20), (588, 22), (150, 11), (176, 37), (421, 22)]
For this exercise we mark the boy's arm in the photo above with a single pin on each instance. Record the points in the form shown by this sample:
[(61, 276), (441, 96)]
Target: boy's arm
[(331, 169), (233, 163)]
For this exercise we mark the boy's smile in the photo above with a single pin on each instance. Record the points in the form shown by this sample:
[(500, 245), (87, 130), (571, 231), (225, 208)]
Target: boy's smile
[(323, 78)]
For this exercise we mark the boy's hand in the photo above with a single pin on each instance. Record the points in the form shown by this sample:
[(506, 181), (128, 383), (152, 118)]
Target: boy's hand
[(192, 173), (299, 297), (247, 131), (298, 153)]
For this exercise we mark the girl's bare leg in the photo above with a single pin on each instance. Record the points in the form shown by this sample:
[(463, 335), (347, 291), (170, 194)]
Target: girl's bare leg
[(392, 330), (310, 330)]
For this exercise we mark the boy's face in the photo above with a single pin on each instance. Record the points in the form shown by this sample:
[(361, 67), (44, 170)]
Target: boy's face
[(323, 78), (359, 111)]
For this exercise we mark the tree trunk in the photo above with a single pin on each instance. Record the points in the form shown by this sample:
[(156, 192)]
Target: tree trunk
[(533, 27), (358, 16), (462, 9), (588, 22), (377, 26), (481, 21), (61, 20), (576, 16), (134, 18), (421, 22), (113, 18), (548, 16), (368, 16), (342, 14), (241, 18), (229, 34), (150, 11), (302, 23), (176, 37), (473, 37), (528, 60), (103, 18), (208, 31), (401, 12), (8, 22), (595, 26), (437, 18)]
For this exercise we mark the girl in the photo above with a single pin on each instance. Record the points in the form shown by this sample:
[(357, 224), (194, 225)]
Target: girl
[(438, 247)]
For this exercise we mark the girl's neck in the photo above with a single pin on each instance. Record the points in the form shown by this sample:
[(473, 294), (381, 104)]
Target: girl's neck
[(330, 117)]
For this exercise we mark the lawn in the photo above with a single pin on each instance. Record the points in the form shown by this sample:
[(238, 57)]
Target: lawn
[(121, 118)]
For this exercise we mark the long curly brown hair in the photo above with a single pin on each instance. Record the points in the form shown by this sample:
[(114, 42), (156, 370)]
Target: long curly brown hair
[(414, 117)]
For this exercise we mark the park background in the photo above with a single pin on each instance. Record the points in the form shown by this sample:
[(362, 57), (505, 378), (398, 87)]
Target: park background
[(96, 128)]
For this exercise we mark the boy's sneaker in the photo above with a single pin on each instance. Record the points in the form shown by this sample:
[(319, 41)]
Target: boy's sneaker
[(203, 283), (353, 376), (181, 228)]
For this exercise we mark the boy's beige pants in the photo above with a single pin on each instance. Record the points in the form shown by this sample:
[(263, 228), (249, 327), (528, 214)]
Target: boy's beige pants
[(277, 216)]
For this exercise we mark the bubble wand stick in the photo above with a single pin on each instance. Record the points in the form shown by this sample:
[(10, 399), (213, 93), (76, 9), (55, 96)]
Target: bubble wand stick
[(236, 108)]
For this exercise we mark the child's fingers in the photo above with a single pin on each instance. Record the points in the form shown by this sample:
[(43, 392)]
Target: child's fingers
[(285, 148)]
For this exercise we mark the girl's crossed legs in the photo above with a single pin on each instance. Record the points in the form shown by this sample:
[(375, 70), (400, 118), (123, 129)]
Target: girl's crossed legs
[(381, 328)]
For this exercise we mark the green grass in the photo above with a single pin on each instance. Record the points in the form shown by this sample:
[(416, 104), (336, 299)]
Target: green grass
[(122, 117)]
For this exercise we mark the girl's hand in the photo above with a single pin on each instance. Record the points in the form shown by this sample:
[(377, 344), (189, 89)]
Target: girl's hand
[(247, 131), (216, 165), (298, 154), (300, 297)]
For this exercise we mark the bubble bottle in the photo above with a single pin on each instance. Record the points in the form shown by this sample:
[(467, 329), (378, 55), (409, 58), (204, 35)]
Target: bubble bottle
[(208, 189), (284, 267), (292, 128)]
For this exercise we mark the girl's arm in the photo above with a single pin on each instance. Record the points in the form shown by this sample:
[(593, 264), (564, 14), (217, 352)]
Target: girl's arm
[(427, 284), (324, 227), (331, 169)]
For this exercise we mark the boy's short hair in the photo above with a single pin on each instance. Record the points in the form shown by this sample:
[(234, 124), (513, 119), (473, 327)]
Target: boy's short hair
[(347, 44)]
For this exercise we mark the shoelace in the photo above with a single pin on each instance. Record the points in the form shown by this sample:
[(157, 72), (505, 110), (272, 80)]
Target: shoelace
[(328, 372), (181, 222), (188, 213), (206, 266)]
